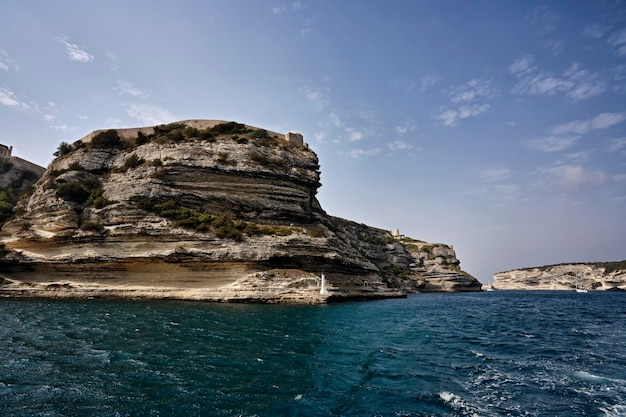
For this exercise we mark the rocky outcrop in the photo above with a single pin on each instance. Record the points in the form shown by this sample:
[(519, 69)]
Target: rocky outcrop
[(17, 176), (599, 276), (204, 210)]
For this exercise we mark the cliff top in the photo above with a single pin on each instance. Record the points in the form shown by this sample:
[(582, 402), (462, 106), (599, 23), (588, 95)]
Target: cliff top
[(199, 124)]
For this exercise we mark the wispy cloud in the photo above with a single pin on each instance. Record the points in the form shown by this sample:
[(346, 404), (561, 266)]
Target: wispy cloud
[(595, 31), (360, 153), (149, 114), (127, 88), (428, 81), (75, 52), (282, 9), (617, 145), (544, 20), (494, 174), (565, 135), (617, 41), (335, 119), (575, 176), (316, 96), (5, 61), (9, 99), (472, 90), (399, 145), (522, 65), (468, 100), (453, 117), (580, 127), (354, 134), (320, 137), (576, 83), (553, 143), (408, 126)]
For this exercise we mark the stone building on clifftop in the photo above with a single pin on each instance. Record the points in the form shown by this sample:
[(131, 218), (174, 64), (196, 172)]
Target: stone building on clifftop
[(5, 151)]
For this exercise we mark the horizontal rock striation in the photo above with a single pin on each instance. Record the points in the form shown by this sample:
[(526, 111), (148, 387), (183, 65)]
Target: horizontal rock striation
[(203, 210), (599, 276)]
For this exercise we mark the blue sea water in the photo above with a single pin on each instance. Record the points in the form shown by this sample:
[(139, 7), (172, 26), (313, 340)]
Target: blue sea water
[(481, 354)]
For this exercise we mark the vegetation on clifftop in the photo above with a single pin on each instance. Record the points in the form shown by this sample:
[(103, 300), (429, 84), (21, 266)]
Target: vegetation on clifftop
[(175, 133), (221, 225)]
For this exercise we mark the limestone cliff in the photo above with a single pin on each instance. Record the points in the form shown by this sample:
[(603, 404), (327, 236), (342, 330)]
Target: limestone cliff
[(599, 276), (204, 210), (17, 176)]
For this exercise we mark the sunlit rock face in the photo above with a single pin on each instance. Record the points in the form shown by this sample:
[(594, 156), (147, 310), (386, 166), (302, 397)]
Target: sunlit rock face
[(204, 210), (598, 276)]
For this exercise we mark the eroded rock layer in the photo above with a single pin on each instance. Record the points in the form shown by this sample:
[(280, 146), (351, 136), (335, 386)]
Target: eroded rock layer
[(204, 210), (599, 276)]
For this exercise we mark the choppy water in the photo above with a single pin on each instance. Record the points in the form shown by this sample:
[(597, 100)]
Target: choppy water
[(486, 354)]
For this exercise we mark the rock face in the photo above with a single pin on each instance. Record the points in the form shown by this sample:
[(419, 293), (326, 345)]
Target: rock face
[(599, 276), (16, 178), (204, 210)]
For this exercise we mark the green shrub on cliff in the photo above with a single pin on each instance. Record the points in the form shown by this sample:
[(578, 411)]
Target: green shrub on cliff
[(74, 191), (5, 165), (132, 161), (221, 225), (63, 149), (107, 139)]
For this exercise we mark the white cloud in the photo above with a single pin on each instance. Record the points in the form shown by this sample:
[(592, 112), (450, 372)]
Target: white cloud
[(495, 174), (544, 20), (555, 46), (578, 157), (315, 96), (428, 81), (617, 41), (580, 127), (5, 61), (522, 65), (148, 114), (576, 83), (359, 153), (553, 143), (448, 117), (452, 117), (468, 100), (335, 119), (75, 52), (9, 99), (399, 145), (408, 126), (595, 31), (617, 145), (543, 83), (473, 90), (279, 10), (354, 135), (320, 137), (577, 176), (126, 87)]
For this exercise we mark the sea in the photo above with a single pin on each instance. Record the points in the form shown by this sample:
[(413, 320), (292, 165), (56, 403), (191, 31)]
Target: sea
[(500, 353)]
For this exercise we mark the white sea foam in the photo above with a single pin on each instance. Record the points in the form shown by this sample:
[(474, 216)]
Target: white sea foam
[(586, 376), (457, 403), (616, 410)]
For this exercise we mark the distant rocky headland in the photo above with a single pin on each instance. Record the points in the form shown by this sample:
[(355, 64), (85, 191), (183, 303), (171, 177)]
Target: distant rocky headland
[(202, 210), (599, 276)]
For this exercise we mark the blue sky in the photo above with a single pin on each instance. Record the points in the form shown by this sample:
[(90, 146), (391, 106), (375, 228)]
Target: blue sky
[(496, 126)]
